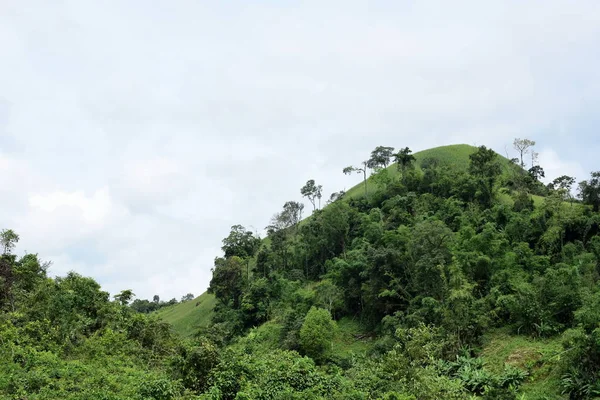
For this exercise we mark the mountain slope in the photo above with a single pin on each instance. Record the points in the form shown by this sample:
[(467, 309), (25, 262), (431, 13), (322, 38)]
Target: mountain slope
[(187, 317)]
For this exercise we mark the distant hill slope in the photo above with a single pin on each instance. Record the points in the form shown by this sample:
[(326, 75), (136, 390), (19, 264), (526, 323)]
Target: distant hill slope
[(187, 317), (456, 155)]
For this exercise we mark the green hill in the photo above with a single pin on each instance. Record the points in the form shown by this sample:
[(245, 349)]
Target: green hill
[(455, 156), (473, 294), (447, 282), (187, 317)]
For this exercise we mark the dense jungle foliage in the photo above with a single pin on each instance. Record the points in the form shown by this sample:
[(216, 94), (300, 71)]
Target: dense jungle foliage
[(404, 287)]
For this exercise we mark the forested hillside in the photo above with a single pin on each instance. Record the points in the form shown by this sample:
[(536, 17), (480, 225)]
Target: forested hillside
[(452, 273)]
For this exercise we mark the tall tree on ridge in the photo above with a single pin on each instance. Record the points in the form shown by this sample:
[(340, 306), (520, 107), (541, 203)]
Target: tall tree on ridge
[(312, 192), (241, 243), (290, 216), (404, 159), (380, 157), (523, 146), (350, 169), (564, 184), (536, 172), (8, 240)]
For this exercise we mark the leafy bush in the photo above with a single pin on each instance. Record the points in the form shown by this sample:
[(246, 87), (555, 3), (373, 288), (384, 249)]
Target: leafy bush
[(317, 333)]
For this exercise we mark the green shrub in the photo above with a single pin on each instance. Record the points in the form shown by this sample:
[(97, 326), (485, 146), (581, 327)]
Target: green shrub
[(317, 333)]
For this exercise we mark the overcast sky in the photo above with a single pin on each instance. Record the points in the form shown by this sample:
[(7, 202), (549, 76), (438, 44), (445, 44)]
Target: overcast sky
[(133, 134)]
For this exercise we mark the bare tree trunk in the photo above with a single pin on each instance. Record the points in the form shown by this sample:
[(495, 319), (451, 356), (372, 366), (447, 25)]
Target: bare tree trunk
[(522, 163)]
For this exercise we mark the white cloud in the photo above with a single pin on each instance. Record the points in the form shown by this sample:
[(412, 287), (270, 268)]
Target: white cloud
[(554, 166), (93, 209)]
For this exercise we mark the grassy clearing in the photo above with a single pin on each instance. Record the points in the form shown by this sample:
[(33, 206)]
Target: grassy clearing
[(187, 317), (351, 339), (261, 339), (538, 201), (537, 356)]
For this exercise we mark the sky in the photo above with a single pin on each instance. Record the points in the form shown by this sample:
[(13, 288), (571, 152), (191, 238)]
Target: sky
[(134, 134)]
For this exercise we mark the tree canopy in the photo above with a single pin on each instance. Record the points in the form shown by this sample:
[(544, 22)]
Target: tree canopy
[(312, 192), (589, 191), (380, 157)]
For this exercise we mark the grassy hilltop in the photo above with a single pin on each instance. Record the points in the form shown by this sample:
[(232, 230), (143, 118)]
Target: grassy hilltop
[(455, 156)]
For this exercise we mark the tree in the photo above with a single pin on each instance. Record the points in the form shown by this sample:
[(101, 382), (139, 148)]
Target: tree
[(156, 299), (256, 302), (317, 333), (483, 165), (523, 146), (534, 157), (430, 251), (193, 364), (329, 295), (350, 169), (589, 191), (289, 217), (380, 157), (312, 192), (335, 196), (536, 172), (187, 297), (29, 272), (8, 240), (382, 178), (404, 159), (563, 184), (283, 227), (144, 306), (124, 297), (227, 281), (7, 279), (240, 242), (324, 236)]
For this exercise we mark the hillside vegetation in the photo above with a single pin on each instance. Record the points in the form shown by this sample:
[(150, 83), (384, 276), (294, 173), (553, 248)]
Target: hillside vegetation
[(456, 156), (185, 319), (453, 273), (188, 317)]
